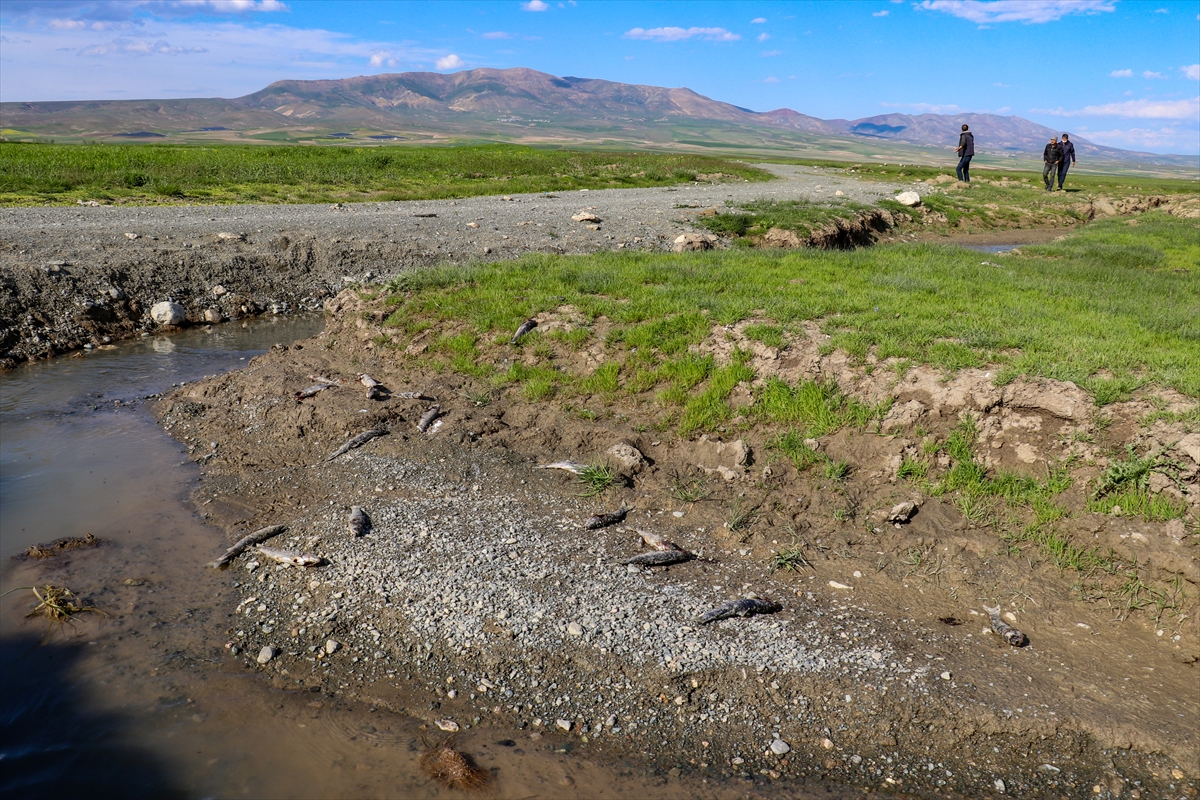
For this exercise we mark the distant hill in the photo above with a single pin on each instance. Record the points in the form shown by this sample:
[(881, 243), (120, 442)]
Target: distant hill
[(527, 105)]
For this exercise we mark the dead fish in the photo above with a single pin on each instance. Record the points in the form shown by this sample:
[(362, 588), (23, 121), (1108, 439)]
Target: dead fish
[(603, 520), (357, 441), (525, 328), (745, 607), (428, 417), (360, 523), (1010, 634), (660, 558), (657, 542), (312, 390), (367, 380), (414, 396), (289, 557), (260, 535), (569, 466), (376, 393)]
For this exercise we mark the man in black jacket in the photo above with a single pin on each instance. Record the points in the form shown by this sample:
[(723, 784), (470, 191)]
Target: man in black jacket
[(966, 149), (1051, 155), (1068, 158)]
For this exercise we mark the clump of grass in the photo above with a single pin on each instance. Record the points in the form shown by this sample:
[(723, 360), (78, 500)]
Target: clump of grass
[(741, 516), (913, 469), (801, 216), (1134, 472), (708, 409), (791, 445), (817, 408), (791, 558), (689, 490), (596, 479), (770, 335), (1140, 503), (837, 470)]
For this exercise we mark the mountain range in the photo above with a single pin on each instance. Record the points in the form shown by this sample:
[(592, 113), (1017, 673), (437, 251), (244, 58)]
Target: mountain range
[(529, 106)]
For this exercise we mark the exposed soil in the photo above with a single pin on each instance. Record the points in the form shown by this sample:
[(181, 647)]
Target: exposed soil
[(477, 595)]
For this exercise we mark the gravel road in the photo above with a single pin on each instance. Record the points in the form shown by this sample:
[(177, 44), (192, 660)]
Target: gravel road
[(70, 277)]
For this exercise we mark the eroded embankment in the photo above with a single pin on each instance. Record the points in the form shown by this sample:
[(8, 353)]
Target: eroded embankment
[(477, 596)]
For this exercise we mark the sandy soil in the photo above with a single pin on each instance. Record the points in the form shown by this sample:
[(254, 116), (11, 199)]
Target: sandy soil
[(478, 596)]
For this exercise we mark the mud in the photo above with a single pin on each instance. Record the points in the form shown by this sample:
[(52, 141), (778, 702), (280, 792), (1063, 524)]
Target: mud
[(479, 595)]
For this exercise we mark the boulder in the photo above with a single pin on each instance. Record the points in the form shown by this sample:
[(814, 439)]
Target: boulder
[(168, 313), (910, 199), (693, 241), (902, 512), (585, 216), (778, 237), (626, 458)]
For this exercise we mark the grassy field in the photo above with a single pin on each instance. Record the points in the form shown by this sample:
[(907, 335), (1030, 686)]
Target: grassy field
[(1112, 308), (49, 174)]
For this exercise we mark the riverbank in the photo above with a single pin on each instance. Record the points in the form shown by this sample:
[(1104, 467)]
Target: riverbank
[(479, 597)]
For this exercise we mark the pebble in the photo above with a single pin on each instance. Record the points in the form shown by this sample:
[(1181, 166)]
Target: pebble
[(332, 646), (564, 724), (779, 747), (946, 676), (266, 654), (999, 784), (575, 629), (448, 725), (827, 743)]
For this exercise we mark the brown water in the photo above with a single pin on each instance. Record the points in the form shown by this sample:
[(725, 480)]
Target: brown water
[(145, 702)]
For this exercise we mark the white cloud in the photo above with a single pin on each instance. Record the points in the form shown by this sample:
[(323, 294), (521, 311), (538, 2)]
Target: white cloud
[(383, 58), (1192, 72), (999, 85), (127, 47), (883, 13), (1133, 109), (535, 5), (1152, 75), (925, 108), (1027, 11), (66, 24), (1165, 139), (759, 21), (762, 37), (229, 6), (770, 53), (771, 79), (450, 62), (497, 35), (1121, 73), (1161, 11), (673, 34)]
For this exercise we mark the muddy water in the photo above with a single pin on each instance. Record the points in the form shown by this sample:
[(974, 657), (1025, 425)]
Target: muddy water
[(144, 702)]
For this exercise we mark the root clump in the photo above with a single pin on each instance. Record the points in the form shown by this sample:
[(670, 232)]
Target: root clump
[(454, 770)]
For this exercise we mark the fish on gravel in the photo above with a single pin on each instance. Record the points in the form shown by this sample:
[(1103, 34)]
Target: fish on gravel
[(525, 328), (316, 388), (367, 380), (1008, 632), (657, 541), (357, 441), (597, 521), (569, 466), (428, 417), (660, 558), (289, 557), (745, 607), (260, 535), (360, 523)]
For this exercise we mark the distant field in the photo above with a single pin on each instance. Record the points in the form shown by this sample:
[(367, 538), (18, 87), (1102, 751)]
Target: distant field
[(53, 174)]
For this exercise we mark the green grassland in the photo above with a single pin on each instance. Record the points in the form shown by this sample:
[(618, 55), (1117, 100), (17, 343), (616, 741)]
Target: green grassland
[(51, 174), (1112, 308)]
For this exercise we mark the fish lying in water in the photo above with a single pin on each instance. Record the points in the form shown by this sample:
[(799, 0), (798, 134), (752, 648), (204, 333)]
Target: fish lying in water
[(428, 417), (260, 535), (525, 328), (745, 607), (660, 558), (1010, 634), (357, 441), (313, 390), (657, 542), (569, 466), (289, 557), (360, 523), (603, 520)]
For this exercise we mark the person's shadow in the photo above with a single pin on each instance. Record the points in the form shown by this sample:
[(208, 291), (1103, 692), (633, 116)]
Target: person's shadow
[(53, 745)]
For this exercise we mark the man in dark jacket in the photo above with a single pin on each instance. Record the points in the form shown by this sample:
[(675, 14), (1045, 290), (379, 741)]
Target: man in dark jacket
[(966, 149), (1051, 155), (1068, 158)]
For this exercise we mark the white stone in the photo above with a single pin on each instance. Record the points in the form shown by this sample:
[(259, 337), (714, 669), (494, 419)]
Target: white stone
[(266, 654), (212, 315), (131, 236), (902, 512), (237, 236), (168, 313), (827, 744), (575, 629), (332, 646), (585, 216), (448, 725), (999, 784), (565, 724), (219, 291), (946, 676), (909, 199), (839, 193), (779, 747)]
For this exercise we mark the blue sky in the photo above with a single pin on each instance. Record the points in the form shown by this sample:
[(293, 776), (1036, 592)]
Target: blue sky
[(1120, 72)]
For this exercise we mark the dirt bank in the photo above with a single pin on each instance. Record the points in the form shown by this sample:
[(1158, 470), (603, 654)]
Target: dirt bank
[(477, 595)]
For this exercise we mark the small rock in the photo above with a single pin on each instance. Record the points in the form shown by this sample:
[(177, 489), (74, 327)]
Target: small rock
[(827, 744), (448, 725), (999, 784), (836, 585), (219, 291), (472, 224), (266, 654), (332, 646), (902, 512), (839, 193), (168, 313), (946, 676), (131, 236), (910, 199), (779, 747), (585, 216), (626, 458), (564, 724), (212, 315), (856, 759), (693, 241), (237, 236), (575, 629), (1049, 769)]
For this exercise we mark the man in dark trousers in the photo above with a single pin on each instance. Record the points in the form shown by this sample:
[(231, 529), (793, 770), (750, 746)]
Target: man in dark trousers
[(966, 149), (1068, 158), (1051, 155)]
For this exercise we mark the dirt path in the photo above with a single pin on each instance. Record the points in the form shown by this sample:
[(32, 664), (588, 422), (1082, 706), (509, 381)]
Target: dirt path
[(73, 276)]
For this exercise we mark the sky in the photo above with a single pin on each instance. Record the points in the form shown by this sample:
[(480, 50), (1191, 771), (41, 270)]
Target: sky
[(1125, 73)]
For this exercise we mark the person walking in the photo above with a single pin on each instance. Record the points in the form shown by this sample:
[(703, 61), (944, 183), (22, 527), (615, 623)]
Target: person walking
[(966, 149), (1051, 155), (1068, 158)]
